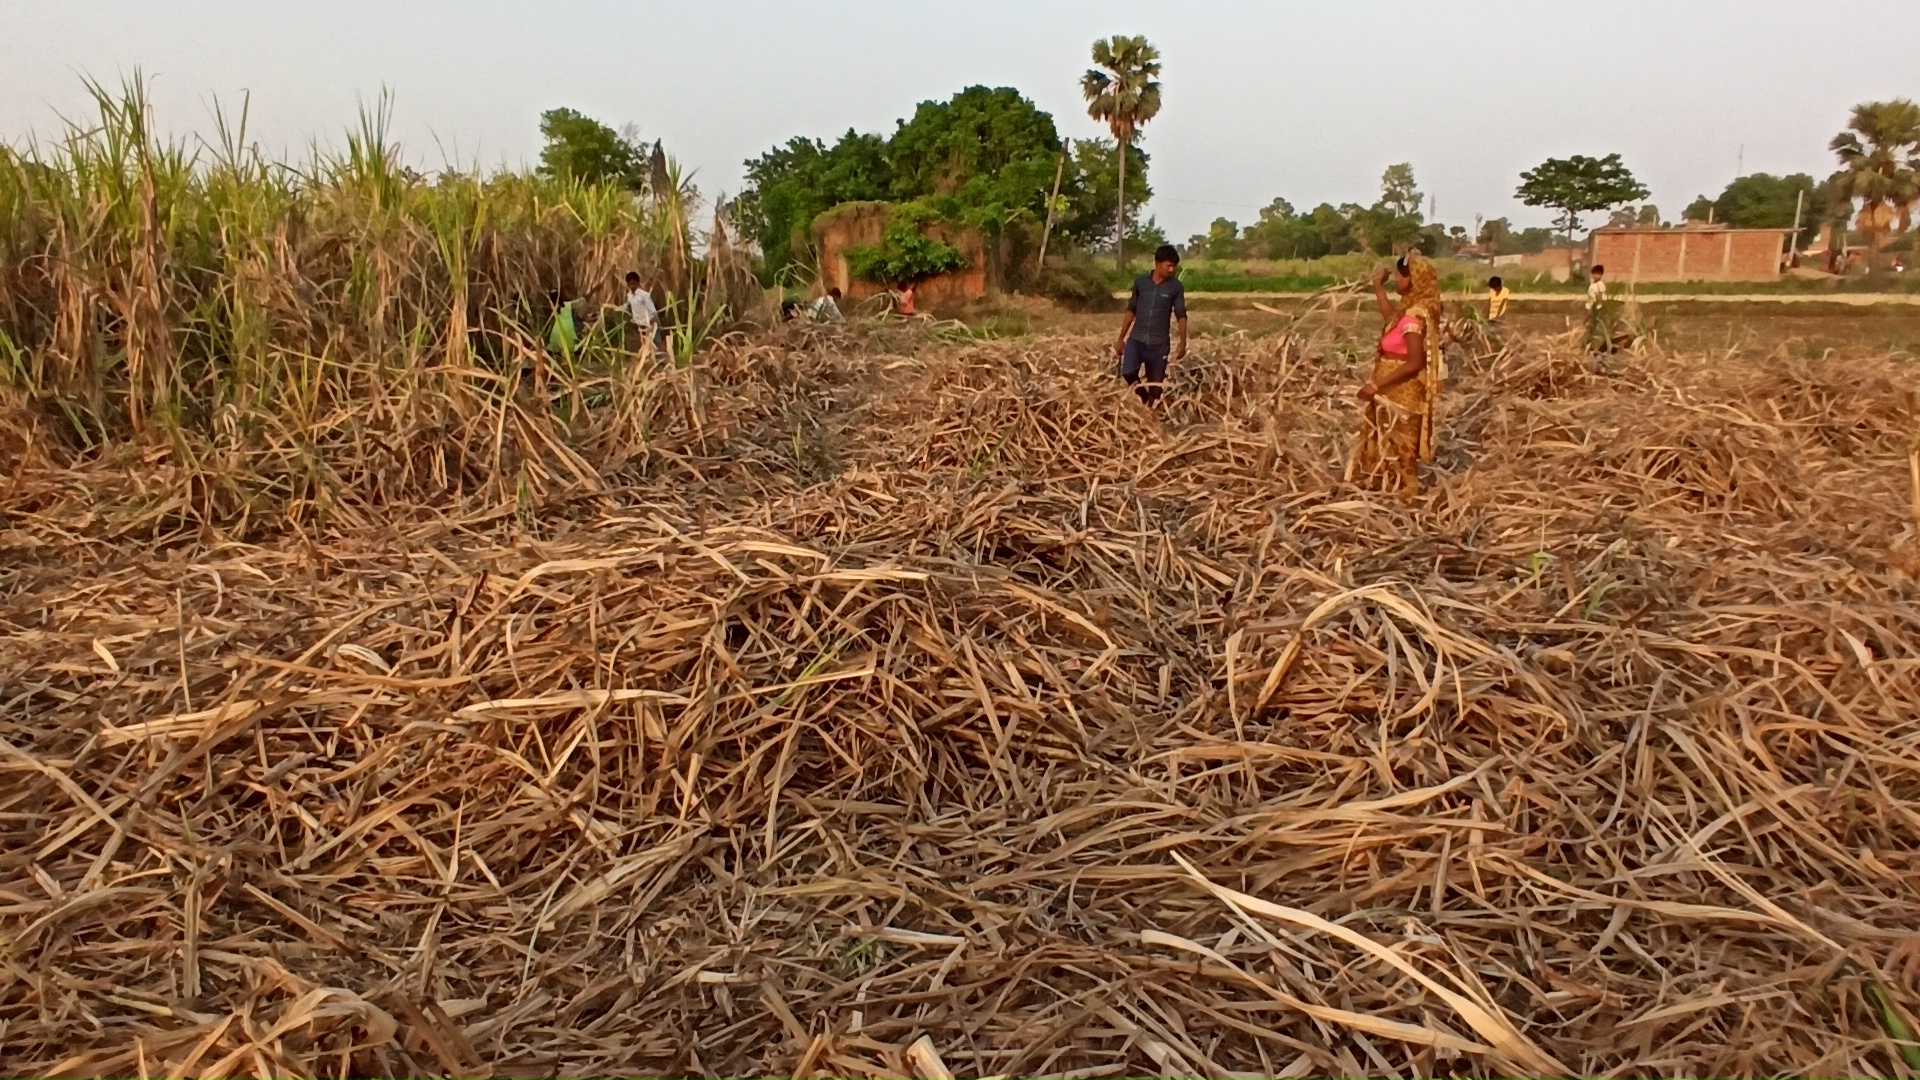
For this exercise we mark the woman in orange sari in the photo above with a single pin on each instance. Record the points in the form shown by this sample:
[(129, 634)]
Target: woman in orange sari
[(1396, 432)]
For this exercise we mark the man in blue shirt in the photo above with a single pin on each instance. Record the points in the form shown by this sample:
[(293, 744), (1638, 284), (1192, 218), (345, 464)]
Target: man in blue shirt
[(1146, 335)]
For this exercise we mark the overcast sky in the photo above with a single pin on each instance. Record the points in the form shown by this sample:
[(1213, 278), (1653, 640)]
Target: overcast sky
[(1310, 101)]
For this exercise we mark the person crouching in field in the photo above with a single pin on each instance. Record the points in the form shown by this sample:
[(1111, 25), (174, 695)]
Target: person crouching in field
[(1146, 333), (1396, 429)]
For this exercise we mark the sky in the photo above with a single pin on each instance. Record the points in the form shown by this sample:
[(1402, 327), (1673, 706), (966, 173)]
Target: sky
[(1308, 101)]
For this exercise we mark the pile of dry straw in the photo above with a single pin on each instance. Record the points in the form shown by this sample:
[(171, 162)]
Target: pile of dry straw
[(918, 706)]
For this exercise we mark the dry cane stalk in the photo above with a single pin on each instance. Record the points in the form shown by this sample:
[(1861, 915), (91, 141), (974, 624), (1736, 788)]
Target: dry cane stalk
[(1913, 457), (434, 752)]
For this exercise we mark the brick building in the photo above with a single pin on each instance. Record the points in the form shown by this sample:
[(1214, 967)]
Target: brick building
[(1689, 254)]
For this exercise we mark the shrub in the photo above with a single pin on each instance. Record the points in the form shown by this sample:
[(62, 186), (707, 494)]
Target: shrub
[(906, 255), (1077, 283)]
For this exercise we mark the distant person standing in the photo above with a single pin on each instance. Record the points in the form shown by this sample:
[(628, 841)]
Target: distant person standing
[(1497, 296), (1146, 334), (564, 335), (906, 300), (1599, 338), (1398, 403), (642, 310)]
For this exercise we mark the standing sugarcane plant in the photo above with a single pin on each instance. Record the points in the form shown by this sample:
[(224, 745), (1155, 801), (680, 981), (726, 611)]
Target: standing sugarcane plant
[(321, 336), (1123, 91)]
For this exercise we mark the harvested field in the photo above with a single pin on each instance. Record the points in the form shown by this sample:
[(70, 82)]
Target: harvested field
[(912, 698)]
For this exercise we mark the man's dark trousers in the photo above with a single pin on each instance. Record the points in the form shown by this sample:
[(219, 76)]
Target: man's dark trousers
[(1153, 358)]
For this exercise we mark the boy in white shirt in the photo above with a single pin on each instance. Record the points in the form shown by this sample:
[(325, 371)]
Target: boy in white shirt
[(642, 310), (1599, 333), (827, 308)]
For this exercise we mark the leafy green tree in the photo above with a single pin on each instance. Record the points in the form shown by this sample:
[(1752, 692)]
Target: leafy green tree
[(1282, 233), (1336, 228), (581, 148), (1500, 237), (1533, 240), (905, 255), (1091, 191), (1432, 240), (981, 146), (1261, 236), (788, 186), (1829, 205), (1878, 169), (1394, 222), (1146, 235), (1399, 194), (1579, 185), (1223, 240), (1764, 201), (1123, 91), (986, 155), (1646, 216)]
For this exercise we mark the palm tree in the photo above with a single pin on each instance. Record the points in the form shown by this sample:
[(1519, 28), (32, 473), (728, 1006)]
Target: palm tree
[(1877, 167), (1124, 91)]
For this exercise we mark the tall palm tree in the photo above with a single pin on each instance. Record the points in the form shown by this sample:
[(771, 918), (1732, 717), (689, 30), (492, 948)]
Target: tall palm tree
[(1878, 154), (1124, 91)]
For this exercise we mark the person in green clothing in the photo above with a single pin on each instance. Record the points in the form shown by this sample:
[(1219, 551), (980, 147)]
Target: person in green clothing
[(565, 333)]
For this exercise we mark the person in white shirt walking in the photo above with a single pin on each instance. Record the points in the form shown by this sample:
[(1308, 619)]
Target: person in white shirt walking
[(642, 310), (1599, 333)]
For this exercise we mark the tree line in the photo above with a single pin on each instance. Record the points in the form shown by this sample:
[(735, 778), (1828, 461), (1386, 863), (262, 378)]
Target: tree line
[(988, 158), (984, 158)]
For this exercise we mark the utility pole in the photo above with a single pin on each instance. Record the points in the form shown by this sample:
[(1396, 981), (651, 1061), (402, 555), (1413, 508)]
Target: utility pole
[(1793, 243), (1047, 233), (1740, 162)]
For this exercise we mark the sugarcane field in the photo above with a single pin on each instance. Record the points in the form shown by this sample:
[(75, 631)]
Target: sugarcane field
[(901, 615)]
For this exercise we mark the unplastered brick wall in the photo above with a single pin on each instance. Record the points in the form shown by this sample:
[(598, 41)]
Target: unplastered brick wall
[(1689, 254)]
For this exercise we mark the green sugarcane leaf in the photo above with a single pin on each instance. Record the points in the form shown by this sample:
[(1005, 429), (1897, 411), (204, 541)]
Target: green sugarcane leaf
[(1895, 1025)]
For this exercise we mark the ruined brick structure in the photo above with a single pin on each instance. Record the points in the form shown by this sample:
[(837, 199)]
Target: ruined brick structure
[(852, 225)]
